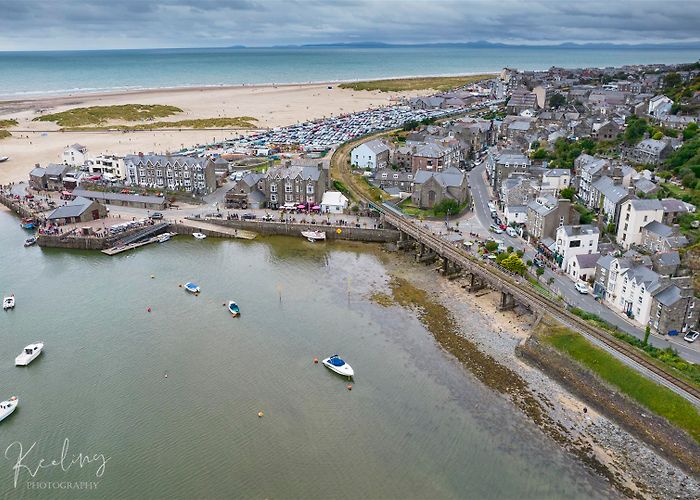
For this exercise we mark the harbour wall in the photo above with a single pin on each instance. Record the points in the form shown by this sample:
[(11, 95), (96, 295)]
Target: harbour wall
[(371, 235), (14, 205)]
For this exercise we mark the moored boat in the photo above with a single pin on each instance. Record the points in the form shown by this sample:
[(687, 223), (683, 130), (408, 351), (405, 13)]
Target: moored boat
[(29, 354), (27, 223), (192, 287), (164, 237), (314, 235), (199, 236), (233, 308), (8, 302), (7, 407), (4, 158), (30, 241), (338, 365)]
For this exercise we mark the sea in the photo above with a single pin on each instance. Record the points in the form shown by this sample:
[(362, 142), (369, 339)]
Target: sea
[(27, 74), (146, 391)]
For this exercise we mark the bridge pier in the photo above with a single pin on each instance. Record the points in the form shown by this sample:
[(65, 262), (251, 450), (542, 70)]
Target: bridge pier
[(507, 302), (475, 283)]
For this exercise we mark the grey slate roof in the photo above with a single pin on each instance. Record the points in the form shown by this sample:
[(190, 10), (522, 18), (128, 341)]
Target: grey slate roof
[(612, 192), (644, 204), (645, 186), (673, 205), (38, 172), (451, 177), (74, 209), (99, 195), (163, 159), (669, 295), (587, 260), (376, 146), (658, 228), (605, 261), (56, 169), (574, 230), (294, 171), (669, 258)]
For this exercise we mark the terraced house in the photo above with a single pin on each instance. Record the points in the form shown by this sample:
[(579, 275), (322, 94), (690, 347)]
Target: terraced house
[(300, 184), (171, 172)]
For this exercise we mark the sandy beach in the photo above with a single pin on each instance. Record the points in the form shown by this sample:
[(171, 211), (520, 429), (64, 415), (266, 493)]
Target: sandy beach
[(272, 105)]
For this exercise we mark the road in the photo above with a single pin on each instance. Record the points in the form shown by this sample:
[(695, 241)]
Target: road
[(481, 194)]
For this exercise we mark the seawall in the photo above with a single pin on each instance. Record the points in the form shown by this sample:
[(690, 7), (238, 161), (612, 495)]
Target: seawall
[(371, 235)]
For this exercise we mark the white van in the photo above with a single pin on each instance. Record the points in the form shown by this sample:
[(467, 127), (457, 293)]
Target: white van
[(510, 231)]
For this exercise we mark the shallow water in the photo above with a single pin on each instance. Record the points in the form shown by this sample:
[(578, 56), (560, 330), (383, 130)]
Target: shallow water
[(415, 424)]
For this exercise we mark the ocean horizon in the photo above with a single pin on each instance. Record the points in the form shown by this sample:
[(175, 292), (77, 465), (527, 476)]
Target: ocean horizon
[(49, 73)]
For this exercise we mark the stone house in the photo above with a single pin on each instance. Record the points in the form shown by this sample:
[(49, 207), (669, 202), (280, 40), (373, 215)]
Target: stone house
[(76, 211), (431, 188), (673, 209), (605, 131), (55, 173), (171, 172), (435, 157), (501, 164), (658, 237), (545, 214), (651, 151), (37, 178), (387, 177), (301, 184)]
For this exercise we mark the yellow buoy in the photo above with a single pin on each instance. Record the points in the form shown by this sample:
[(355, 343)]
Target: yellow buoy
[(261, 414)]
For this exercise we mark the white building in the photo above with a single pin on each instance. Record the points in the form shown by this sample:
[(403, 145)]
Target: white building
[(633, 290), (333, 202), (555, 179), (659, 106), (75, 155), (571, 241), (634, 215), (372, 154), (515, 214), (108, 165)]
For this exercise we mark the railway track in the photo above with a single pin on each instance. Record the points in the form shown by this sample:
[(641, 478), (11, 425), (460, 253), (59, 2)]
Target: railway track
[(521, 292)]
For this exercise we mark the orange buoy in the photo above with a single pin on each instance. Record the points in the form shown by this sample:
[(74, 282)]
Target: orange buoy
[(315, 361), (261, 414), (349, 387)]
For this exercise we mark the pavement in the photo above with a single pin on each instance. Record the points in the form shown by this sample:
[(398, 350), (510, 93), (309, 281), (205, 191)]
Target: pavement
[(562, 284)]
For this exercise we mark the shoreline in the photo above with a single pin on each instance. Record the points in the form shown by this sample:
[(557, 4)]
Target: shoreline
[(77, 93)]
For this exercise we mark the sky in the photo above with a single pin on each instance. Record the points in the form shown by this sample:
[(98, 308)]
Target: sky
[(111, 24)]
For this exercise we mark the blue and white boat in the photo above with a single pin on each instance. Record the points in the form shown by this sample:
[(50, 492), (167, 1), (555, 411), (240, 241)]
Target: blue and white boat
[(234, 309), (7, 407), (338, 365), (192, 287)]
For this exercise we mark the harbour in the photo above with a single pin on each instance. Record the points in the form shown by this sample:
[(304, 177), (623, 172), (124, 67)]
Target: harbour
[(414, 425)]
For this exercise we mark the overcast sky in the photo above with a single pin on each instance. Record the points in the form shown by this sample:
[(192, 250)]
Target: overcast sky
[(103, 24)]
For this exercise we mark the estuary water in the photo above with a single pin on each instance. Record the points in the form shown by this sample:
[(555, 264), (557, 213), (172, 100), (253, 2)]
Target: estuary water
[(26, 74), (414, 425)]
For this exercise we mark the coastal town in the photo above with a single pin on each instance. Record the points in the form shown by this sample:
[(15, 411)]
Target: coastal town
[(577, 186)]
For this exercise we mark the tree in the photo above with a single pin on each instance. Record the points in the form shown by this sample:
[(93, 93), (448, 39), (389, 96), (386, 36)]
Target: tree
[(567, 193), (658, 136), (636, 128), (690, 131), (689, 180), (539, 272), (672, 80), (529, 263), (647, 332), (491, 246), (514, 264), (557, 101), (411, 125), (445, 207)]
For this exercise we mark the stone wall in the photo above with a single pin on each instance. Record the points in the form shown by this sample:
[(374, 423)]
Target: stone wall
[(295, 229)]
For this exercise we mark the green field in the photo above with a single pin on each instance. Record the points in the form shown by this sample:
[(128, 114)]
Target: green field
[(97, 115), (201, 123), (8, 123), (656, 398), (439, 83)]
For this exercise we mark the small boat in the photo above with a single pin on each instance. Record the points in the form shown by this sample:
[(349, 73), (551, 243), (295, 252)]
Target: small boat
[(192, 288), (336, 364), (234, 309), (314, 235), (4, 158), (8, 302), (29, 353), (199, 236), (30, 241), (27, 223), (164, 237), (7, 407)]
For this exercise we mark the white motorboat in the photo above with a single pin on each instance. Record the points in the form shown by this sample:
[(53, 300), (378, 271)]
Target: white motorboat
[(30, 241), (29, 354), (314, 235), (4, 158), (8, 302), (199, 236), (338, 365), (164, 237), (7, 407), (192, 287)]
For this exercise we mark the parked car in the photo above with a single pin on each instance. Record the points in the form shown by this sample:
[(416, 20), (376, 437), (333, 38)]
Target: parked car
[(538, 262), (267, 217), (156, 215), (495, 229), (510, 231), (581, 287), (691, 336), (249, 216)]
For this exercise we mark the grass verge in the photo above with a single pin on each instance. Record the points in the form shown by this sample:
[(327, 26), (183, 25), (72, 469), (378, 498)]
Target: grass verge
[(664, 358), (96, 115), (440, 83), (4, 134), (8, 123), (656, 398)]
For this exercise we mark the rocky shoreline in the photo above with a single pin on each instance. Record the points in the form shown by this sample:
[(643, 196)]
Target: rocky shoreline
[(486, 342)]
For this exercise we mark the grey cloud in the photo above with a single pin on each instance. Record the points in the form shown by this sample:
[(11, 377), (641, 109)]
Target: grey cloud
[(68, 24)]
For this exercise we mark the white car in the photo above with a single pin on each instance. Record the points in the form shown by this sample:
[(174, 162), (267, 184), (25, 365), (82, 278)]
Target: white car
[(691, 336), (581, 287)]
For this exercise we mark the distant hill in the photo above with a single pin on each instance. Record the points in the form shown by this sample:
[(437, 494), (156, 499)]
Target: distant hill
[(481, 44)]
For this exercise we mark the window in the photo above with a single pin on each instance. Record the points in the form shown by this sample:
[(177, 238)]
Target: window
[(645, 218), (309, 189), (575, 244), (639, 300), (287, 188), (273, 188), (273, 198)]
